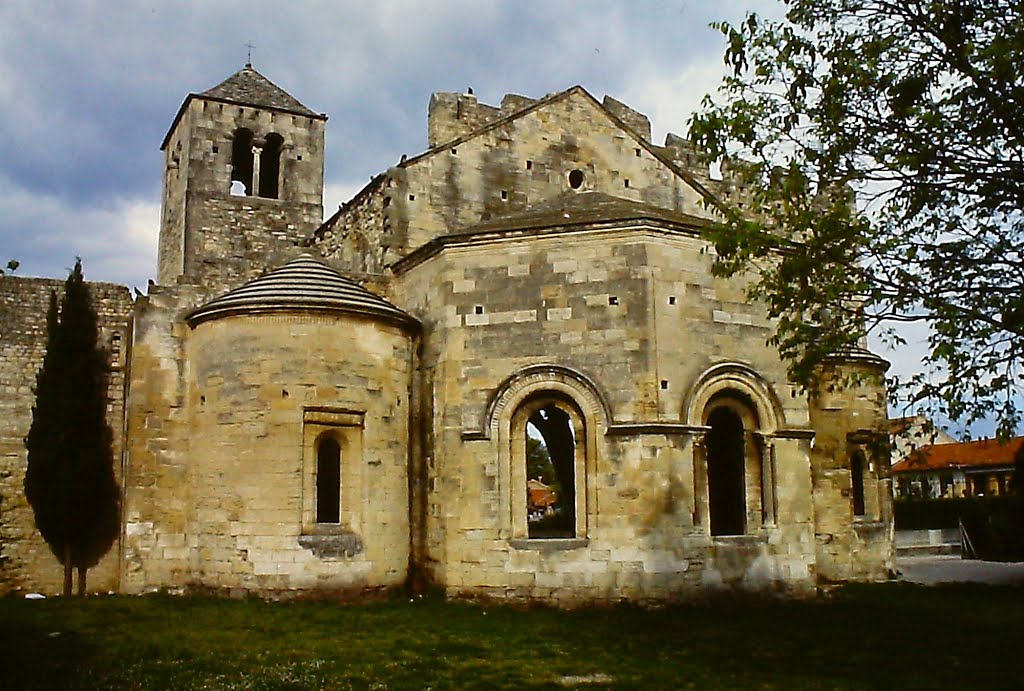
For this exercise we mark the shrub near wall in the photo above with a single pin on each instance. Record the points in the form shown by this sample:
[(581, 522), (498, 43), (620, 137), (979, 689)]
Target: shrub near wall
[(995, 524)]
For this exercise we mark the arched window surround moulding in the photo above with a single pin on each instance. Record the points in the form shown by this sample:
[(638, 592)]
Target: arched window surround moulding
[(742, 382), (517, 387), (573, 392), (741, 389)]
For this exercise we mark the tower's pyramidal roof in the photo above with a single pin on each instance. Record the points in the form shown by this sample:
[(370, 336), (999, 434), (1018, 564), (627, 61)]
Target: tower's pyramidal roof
[(249, 87)]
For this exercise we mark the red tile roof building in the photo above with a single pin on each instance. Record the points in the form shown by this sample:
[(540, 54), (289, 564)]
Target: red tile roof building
[(961, 469)]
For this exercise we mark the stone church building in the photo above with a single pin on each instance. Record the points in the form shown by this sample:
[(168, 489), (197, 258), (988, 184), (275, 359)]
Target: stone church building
[(502, 369)]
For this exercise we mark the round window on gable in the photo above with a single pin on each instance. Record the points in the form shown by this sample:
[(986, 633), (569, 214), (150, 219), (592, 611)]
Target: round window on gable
[(576, 179)]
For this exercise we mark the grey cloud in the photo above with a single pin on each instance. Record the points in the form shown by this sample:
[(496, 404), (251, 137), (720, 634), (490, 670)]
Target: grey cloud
[(87, 90)]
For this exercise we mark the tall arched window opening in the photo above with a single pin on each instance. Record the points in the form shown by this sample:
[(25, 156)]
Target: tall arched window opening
[(241, 159), (550, 473), (328, 480), (857, 464), (548, 468), (726, 463), (270, 166)]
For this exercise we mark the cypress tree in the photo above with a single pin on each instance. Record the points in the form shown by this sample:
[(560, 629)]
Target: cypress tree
[(70, 481)]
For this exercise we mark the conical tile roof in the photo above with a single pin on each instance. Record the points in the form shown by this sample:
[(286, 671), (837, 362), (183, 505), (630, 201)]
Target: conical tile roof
[(249, 87), (301, 285)]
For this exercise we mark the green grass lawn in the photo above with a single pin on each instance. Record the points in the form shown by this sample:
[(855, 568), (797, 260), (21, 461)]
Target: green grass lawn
[(882, 636)]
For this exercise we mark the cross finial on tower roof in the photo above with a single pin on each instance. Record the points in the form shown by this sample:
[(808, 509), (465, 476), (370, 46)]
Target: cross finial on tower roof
[(248, 59)]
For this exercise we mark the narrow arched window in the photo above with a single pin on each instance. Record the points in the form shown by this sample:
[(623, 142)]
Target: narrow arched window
[(328, 480), (270, 166), (726, 462), (857, 482), (241, 159)]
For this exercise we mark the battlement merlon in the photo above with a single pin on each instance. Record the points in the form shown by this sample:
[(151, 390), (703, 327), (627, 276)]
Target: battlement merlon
[(453, 115), (633, 119)]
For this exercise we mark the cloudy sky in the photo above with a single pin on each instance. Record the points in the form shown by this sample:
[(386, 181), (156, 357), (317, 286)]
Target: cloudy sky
[(88, 89)]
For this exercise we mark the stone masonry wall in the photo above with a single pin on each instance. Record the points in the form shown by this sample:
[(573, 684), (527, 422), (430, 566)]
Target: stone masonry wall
[(26, 563), (222, 435), (239, 238), (171, 244), (358, 238), (521, 163), (156, 501), (597, 304), (452, 115), (262, 389)]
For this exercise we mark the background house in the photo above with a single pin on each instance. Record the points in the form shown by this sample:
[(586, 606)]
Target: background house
[(907, 434), (957, 469)]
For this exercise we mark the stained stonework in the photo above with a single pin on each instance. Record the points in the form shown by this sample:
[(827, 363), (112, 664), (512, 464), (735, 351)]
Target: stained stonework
[(346, 237), (360, 417), (517, 161), (241, 488), (223, 421), (634, 317)]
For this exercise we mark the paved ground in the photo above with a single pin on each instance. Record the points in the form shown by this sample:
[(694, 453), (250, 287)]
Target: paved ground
[(953, 569)]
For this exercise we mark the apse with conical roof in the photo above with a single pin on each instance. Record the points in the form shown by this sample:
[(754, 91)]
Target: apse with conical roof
[(242, 182), (298, 396), (303, 285)]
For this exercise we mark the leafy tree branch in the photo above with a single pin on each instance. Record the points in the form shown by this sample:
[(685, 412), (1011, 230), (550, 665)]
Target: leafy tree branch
[(882, 143)]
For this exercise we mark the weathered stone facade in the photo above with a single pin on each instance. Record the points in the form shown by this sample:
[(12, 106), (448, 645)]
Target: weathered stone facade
[(530, 295)]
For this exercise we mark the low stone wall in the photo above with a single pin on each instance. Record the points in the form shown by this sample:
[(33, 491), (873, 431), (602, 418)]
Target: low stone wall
[(916, 543)]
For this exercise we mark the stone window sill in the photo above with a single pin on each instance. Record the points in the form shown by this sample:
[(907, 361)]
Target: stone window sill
[(549, 544), (867, 525), (334, 544), (739, 540), (256, 199)]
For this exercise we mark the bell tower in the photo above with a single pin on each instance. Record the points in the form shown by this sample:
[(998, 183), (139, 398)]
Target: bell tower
[(243, 180)]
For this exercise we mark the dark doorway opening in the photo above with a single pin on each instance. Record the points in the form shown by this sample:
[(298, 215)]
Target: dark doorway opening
[(726, 473)]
